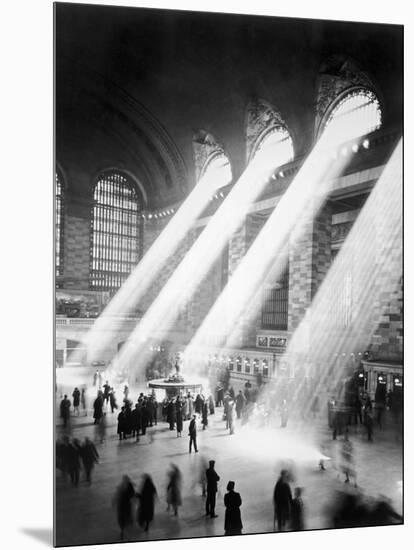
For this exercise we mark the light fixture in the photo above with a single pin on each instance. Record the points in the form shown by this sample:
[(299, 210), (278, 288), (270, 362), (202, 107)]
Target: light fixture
[(149, 216), (365, 144), (355, 148), (281, 174)]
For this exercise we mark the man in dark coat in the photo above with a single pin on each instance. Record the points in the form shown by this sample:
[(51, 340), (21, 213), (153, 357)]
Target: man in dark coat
[(76, 400), (171, 414), (282, 500), (121, 430), (179, 412), (212, 479), (73, 458), (122, 500), (144, 417), (146, 497), (112, 400), (136, 421), (198, 405), (107, 389), (65, 410), (204, 413), (240, 399), (89, 456), (232, 519), (192, 432), (98, 407)]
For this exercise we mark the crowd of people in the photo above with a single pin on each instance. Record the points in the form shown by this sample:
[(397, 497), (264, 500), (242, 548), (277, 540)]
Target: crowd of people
[(134, 419)]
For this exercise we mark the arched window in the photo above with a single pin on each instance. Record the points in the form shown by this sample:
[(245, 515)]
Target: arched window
[(59, 222), (279, 140), (218, 168), (115, 241), (354, 115)]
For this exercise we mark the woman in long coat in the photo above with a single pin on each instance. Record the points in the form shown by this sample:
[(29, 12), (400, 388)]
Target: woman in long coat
[(122, 501), (232, 519), (146, 502), (174, 489), (179, 417)]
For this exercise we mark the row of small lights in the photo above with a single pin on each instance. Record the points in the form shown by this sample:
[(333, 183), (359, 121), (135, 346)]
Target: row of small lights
[(159, 215), (343, 151)]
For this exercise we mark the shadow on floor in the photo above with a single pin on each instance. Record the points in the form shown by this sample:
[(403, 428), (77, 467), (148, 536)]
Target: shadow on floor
[(44, 535)]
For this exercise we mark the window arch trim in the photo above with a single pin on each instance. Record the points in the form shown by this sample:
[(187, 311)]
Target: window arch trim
[(336, 102)]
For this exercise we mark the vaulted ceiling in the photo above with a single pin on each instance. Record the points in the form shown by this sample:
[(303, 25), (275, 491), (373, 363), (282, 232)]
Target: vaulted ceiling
[(134, 85)]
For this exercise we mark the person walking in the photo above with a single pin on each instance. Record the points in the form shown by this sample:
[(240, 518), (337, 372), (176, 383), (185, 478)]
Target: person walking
[(122, 500), (112, 400), (136, 421), (89, 456), (240, 399), (174, 499), (192, 432), (121, 429), (106, 391), (232, 518), (179, 416), (212, 480), (282, 500), (146, 496), (100, 434)]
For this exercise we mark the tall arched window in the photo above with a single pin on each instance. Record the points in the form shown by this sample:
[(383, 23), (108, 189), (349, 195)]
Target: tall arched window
[(115, 242), (59, 221), (279, 140), (354, 115), (218, 167)]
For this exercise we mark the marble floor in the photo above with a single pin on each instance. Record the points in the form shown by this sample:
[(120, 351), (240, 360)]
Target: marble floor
[(252, 457)]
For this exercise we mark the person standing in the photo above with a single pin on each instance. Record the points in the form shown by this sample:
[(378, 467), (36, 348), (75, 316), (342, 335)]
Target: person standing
[(101, 429), (73, 456), (121, 429), (211, 404), (76, 401), (212, 480), (112, 400), (136, 421), (179, 416), (232, 518), (192, 432), (89, 456), (282, 500), (65, 410)]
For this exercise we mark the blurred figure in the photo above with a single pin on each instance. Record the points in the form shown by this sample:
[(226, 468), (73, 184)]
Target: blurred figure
[(146, 498), (174, 489), (101, 430), (112, 400), (89, 456), (315, 406), (384, 514), (240, 400), (212, 480), (179, 416), (369, 423), (297, 520), (348, 459), (99, 379), (107, 389), (232, 518), (95, 378), (282, 501), (211, 404), (204, 413), (202, 476), (122, 500), (192, 432), (136, 421), (83, 401), (284, 414), (73, 458), (98, 407), (65, 410), (76, 401)]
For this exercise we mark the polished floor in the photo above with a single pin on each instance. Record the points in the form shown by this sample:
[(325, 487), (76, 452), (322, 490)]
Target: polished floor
[(251, 457)]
